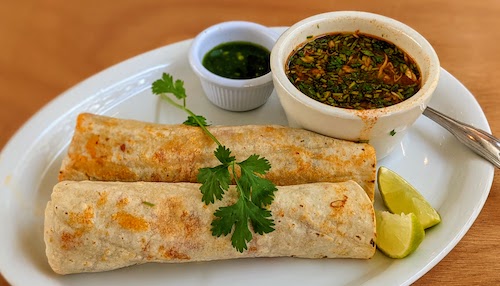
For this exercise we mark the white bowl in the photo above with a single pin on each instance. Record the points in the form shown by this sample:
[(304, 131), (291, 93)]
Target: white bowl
[(232, 94), (383, 128)]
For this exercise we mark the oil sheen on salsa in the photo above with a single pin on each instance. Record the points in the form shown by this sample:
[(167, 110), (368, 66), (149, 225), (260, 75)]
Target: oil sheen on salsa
[(238, 60), (354, 71)]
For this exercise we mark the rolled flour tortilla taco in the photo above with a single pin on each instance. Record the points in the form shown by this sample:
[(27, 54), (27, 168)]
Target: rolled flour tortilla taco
[(111, 149), (98, 226)]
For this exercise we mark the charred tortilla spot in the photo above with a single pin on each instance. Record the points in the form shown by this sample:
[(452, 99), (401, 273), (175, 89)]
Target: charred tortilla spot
[(160, 156), (145, 244), (71, 240), (130, 222), (339, 203), (103, 199), (172, 253), (280, 213), (155, 177), (121, 203), (91, 147), (93, 168), (83, 220), (175, 220)]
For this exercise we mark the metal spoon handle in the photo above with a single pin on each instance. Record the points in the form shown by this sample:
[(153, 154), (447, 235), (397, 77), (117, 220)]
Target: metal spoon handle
[(480, 141)]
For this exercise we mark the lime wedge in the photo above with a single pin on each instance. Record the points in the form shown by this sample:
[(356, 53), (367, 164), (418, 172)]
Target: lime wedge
[(398, 235), (401, 197)]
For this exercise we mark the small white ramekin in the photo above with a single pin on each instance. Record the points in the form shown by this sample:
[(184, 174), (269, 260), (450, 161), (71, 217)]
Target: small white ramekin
[(232, 94), (383, 128)]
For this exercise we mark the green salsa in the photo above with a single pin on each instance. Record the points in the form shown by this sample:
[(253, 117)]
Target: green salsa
[(238, 60), (354, 71)]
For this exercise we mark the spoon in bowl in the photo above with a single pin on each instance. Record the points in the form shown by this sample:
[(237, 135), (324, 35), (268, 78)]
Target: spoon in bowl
[(480, 141)]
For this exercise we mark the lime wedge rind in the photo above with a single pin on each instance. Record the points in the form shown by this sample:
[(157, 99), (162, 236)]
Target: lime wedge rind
[(399, 196)]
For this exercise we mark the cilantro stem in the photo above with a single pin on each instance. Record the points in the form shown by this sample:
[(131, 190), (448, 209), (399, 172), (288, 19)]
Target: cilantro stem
[(183, 107), (238, 186)]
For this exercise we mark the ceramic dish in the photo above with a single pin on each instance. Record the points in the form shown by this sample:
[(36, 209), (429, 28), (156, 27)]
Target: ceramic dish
[(232, 94), (384, 127), (29, 165)]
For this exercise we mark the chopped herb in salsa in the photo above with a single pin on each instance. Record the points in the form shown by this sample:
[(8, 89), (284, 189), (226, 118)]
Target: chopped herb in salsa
[(238, 60), (353, 70)]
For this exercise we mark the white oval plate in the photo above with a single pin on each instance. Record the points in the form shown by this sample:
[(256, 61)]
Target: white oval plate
[(452, 178)]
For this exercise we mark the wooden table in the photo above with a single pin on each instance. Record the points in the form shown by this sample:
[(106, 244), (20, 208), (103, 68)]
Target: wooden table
[(48, 46)]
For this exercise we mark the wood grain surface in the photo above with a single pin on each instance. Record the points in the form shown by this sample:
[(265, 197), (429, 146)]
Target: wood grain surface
[(47, 46)]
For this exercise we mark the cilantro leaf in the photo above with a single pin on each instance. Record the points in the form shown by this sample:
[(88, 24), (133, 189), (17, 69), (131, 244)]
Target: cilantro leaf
[(237, 216), (261, 219), (241, 235), (233, 215), (167, 85), (196, 120), (226, 217), (215, 181), (260, 190), (256, 164), (223, 154)]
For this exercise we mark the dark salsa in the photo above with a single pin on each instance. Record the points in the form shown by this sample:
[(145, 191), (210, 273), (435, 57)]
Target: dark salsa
[(353, 70), (238, 60)]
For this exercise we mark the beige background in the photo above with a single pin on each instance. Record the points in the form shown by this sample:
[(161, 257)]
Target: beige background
[(47, 46)]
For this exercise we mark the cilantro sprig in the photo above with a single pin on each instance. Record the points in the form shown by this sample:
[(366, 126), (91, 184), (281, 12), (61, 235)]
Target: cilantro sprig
[(254, 192)]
